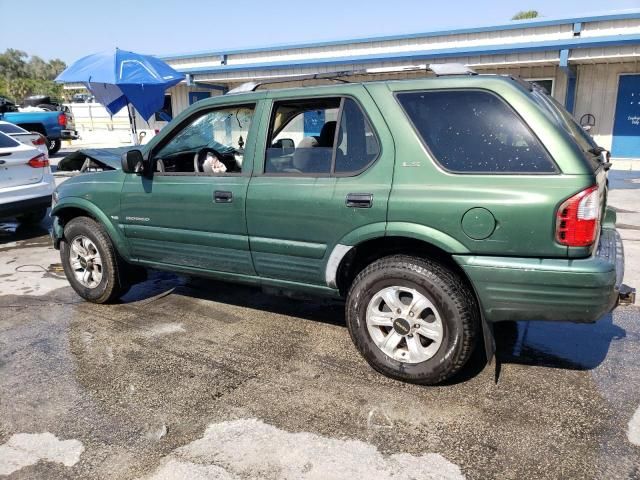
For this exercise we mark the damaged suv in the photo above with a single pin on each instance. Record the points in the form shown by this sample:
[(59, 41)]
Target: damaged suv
[(435, 207)]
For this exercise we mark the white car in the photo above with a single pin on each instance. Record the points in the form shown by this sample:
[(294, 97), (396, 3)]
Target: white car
[(23, 136), (26, 182)]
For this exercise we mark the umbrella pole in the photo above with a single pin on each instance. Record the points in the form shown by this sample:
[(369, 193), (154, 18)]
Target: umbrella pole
[(132, 122)]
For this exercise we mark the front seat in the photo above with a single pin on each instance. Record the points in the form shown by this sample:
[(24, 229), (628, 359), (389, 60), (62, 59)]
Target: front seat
[(327, 134)]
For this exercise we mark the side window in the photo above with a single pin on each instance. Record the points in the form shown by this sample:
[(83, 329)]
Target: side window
[(212, 143), (473, 131), (301, 136), (357, 143), (303, 139)]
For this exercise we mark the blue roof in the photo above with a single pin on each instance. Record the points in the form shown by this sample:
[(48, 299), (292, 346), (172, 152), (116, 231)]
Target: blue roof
[(572, 43), (513, 25)]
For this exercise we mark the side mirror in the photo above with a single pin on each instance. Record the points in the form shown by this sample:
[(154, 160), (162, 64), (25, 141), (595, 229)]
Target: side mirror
[(133, 162)]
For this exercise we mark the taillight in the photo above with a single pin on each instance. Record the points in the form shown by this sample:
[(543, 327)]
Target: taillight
[(62, 120), (39, 141), (577, 219), (40, 161)]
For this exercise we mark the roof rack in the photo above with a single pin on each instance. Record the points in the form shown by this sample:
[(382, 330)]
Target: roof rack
[(439, 69)]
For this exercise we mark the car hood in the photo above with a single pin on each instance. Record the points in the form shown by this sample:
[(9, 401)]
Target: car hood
[(107, 158)]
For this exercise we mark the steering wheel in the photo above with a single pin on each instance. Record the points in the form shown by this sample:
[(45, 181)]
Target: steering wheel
[(201, 156)]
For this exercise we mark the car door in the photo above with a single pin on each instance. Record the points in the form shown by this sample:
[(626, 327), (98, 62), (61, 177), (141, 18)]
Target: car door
[(323, 171), (191, 212)]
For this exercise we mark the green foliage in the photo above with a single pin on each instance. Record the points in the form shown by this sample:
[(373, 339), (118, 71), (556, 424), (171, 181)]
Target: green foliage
[(525, 14), (21, 75)]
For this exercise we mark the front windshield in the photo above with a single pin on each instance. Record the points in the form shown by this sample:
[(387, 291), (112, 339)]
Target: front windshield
[(223, 130)]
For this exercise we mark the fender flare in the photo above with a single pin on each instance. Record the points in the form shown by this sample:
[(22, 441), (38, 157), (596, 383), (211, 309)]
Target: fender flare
[(115, 234), (387, 229)]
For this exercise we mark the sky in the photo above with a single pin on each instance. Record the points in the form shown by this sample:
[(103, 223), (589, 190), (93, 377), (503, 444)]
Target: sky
[(70, 30)]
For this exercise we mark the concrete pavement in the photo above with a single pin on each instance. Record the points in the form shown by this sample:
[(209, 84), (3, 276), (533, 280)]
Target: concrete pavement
[(199, 379)]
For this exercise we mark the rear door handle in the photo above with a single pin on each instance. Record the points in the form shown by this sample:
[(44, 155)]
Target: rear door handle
[(220, 196), (360, 200)]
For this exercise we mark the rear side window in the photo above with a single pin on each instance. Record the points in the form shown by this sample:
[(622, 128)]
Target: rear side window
[(11, 128), (473, 131), (320, 137), (7, 142)]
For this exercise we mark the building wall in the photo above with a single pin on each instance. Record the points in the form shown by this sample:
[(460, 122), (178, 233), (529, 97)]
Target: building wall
[(596, 93)]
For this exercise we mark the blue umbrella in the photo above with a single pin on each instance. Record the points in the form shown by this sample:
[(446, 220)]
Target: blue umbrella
[(122, 78)]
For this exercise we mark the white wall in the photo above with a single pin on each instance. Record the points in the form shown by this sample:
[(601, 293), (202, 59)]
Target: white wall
[(597, 91)]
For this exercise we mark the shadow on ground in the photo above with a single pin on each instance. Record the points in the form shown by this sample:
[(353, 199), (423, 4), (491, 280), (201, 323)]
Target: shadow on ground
[(561, 345)]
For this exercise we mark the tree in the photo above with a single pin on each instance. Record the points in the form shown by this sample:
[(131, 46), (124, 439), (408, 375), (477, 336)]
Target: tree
[(525, 14), (21, 76)]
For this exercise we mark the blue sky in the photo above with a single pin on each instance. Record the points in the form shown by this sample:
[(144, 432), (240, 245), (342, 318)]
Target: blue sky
[(74, 29)]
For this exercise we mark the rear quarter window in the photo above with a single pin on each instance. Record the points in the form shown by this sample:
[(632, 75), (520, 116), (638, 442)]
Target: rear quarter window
[(10, 128), (7, 142), (474, 131)]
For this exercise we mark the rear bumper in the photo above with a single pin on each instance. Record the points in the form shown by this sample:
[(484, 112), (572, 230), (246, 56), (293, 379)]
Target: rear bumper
[(579, 290), (69, 135), (24, 206), (24, 198)]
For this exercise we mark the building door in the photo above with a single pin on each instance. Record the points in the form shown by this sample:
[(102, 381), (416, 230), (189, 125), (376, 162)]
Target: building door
[(626, 128), (197, 96)]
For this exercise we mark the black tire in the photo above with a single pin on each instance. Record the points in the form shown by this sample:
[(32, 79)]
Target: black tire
[(113, 284), (447, 292), (34, 217), (54, 145)]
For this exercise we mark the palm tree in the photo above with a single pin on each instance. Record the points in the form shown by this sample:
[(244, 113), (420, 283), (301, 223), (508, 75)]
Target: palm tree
[(525, 14)]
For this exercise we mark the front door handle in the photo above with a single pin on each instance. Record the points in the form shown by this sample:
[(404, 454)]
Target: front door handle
[(360, 200), (220, 196)]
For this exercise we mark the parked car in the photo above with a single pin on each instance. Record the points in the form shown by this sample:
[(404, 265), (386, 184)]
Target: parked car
[(434, 207), (54, 125), (26, 182), (28, 138)]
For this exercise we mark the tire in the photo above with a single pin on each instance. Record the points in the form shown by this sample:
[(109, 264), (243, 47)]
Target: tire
[(111, 284), (445, 308), (54, 145), (34, 217)]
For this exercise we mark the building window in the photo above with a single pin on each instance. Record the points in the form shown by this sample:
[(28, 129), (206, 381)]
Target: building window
[(546, 83), (166, 113)]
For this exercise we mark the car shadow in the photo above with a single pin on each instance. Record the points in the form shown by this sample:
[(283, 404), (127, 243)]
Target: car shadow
[(561, 345), (573, 346), (13, 231), (316, 309)]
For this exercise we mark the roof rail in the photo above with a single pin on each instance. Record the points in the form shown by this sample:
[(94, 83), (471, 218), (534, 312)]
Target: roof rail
[(439, 69)]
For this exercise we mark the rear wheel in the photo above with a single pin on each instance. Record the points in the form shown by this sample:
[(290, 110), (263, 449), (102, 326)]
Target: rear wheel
[(412, 319), (92, 265), (33, 217), (54, 146)]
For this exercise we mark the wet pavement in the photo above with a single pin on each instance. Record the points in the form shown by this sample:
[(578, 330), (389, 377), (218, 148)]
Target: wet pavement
[(198, 379)]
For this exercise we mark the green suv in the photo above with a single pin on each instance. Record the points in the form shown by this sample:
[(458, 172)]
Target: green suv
[(435, 207)]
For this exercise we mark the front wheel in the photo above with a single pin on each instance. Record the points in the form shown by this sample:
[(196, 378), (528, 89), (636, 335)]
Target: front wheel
[(412, 319), (91, 263)]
